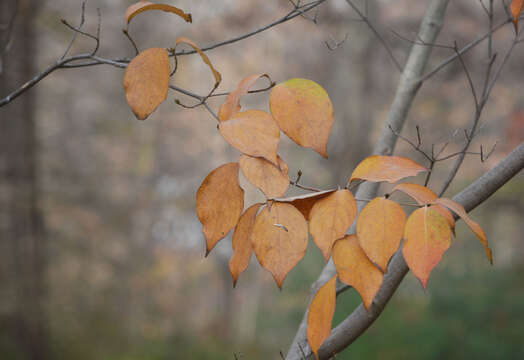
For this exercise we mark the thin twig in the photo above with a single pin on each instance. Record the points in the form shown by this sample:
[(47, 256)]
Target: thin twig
[(468, 77), (126, 33), (82, 20)]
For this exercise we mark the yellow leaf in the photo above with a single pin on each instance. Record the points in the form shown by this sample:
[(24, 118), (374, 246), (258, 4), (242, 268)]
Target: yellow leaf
[(253, 132), (320, 315), (232, 103), (330, 218), (146, 81), (304, 112), (270, 179), (355, 269), (386, 168), (426, 239), (380, 227), (219, 203), (279, 239), (142, 6), (304, 203)]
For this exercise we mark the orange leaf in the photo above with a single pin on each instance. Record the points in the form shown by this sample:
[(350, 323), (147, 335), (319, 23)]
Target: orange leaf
[(242, 247), (355, 269), (380, 227), (426, 239), (320, 315), (422, 195), (330, 218), (516, 8), (219, 203), (271, 180), (304, 203), (253, 132), (142, 6), (232, 104), (146, 81), (279, 239), (386, 168), (477, 230), (304, 112)]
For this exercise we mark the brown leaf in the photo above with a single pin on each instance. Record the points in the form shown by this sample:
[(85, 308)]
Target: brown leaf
[(304, 203), (253, 132), (355, 269), (242, 247), (477, 230), (146, 81), (380, 227), (270, 179), (304, 112), (320, 315), (426, 239), (423, 196), (516, 9), (386, 168), (232, 103), (279, 239), (219, 203), (142, 6), (330, 218)]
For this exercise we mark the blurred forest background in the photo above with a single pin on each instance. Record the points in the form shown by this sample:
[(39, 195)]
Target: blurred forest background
[(101, 252)]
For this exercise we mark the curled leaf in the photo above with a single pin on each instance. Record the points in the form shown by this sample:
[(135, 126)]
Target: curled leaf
[(304, 203), (242, 247), (355, 269), (304, 112), (219, 203), (330, 219), (279, 239), (253, 132), (386, 168), (142, 6), (146, 81), (270, 179), (516, 9), (320, 315), (232, 103)]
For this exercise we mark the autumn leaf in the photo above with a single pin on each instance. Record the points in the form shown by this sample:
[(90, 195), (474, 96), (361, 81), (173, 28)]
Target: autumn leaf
[(423, 196), (253, 132), (386, 168), (320, 315), (146, 81), (477, 230), (219, 203), (279, 239), (304, 112), (355, 269), (242, 247), (270, 179), (516, 9), (330, 218), (232, 103), (426, 239), (142, 6), (380, 227), (304, 203)]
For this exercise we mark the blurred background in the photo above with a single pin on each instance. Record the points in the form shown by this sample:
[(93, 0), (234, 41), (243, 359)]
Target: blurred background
[(101, 252)]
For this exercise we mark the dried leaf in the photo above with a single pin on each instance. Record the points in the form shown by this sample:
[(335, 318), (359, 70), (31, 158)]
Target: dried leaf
[(355, 269), (477, 230), (516, 9), (242, 247), (304, 203), (219, 203), (253, 132), (423, 196), (426, 239), (320, 315), (146, 81), (386, 168), (270, 179), (279, 239), (232, 103), (205, 59), (304, 112), (380, 227), (330, 218), (142, 6)]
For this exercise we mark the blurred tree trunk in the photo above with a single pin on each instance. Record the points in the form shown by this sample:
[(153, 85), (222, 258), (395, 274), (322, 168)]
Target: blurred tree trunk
[(22, 243)]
